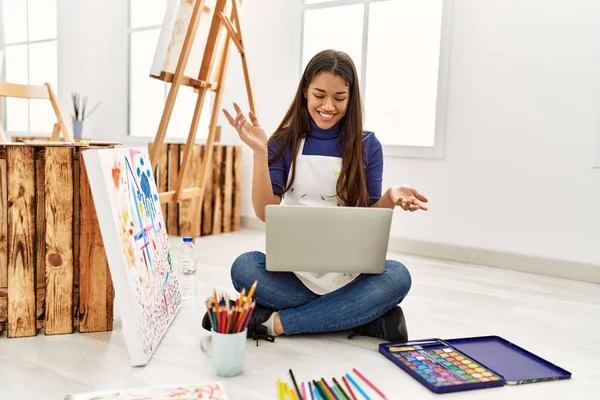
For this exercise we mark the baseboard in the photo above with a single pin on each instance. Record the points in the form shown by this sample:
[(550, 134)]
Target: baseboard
[(517, 262), (252, 223)]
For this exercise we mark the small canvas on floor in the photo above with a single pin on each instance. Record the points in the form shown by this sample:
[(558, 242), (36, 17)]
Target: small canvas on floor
[(215, 391), (136, 244)]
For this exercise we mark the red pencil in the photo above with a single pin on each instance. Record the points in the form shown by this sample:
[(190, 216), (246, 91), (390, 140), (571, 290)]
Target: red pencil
[(379, 392), (349, 388)]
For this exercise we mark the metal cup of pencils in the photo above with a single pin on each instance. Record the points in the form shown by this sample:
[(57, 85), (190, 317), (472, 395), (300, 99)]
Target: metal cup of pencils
[(229, 320)]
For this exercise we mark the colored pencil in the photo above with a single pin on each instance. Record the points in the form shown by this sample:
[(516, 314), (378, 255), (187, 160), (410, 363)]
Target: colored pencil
[(328, 390), (336, 389), (252, 290), (295, 384), (341, 389), (240, 301), (360, 390), (317, 394), (375, 388), (304, 397), (310, 389), (248, 316), (293, 394), (225, 315), (216, 302), (321, 390), (349, 388)]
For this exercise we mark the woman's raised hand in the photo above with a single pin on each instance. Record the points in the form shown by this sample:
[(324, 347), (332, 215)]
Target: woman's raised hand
[(251, 133)]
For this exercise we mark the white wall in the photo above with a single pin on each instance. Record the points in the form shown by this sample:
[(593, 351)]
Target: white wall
[(523, 122), (93, 57), (92, 60), (522, 125)]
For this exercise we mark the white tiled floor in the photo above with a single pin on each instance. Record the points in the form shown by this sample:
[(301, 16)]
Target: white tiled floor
[(554, 318)]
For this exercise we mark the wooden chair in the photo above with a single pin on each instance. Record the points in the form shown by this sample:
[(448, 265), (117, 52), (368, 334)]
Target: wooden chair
[(36, 92)]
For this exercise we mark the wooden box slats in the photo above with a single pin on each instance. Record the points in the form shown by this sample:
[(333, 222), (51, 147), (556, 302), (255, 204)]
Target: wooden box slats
[(54, 275), (221, 207)]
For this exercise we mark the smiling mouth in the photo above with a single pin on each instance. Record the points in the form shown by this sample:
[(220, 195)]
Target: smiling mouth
[(325, 116)]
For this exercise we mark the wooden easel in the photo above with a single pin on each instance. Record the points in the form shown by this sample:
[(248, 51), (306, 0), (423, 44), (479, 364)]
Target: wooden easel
[(202, 84)]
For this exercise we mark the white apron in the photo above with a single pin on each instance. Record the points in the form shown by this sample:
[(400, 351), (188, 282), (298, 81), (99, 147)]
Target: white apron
[(315, 185)]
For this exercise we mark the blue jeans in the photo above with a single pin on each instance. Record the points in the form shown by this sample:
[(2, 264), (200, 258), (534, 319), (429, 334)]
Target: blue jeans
[(301, 311)]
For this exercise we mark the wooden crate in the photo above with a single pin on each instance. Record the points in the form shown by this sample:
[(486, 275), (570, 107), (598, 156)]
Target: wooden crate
[(53, 270), (221, 208)]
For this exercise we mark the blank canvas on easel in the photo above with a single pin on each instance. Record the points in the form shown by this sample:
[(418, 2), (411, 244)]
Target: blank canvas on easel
[(172, 35)]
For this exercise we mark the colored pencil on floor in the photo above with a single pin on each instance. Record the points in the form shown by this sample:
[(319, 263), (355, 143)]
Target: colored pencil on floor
[(321, 391), (349, 388), (317, 393), (304, 397), (310, 389), (368, 382), (295, 383), (279, 390), (336, 390), (328, 390), (341, 389), (358, 388)]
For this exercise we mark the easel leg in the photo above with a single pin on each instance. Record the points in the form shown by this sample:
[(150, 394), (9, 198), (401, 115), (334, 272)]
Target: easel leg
[(236, 17), (206, 170)]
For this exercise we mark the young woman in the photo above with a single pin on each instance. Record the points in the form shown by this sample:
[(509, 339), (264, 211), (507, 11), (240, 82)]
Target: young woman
[(320, 155)]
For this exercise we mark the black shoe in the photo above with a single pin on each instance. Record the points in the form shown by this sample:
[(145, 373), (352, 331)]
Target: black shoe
[(391, 326), (255, 330)]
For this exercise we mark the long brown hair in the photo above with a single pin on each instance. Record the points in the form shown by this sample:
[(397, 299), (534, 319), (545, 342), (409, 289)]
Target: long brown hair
[(352, 184)]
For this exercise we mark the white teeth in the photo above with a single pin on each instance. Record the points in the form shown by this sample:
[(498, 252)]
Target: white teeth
[(325, 116)]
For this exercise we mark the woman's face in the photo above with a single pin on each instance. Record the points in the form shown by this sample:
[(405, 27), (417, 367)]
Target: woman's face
[(327, 99)]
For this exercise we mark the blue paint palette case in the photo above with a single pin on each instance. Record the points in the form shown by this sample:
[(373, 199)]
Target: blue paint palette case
[(453, 365)]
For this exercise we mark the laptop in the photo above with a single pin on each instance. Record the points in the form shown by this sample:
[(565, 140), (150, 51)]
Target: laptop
[(327, 239)]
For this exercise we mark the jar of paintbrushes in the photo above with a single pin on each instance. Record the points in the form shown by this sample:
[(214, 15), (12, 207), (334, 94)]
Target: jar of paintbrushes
[(80, 113)]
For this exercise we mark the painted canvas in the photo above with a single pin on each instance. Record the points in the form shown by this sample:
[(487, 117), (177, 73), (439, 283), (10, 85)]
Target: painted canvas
[(137, 246), (214, 391)]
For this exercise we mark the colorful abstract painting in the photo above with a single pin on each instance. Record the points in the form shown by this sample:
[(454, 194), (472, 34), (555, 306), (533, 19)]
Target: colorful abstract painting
[(136, 244), (214, 391)]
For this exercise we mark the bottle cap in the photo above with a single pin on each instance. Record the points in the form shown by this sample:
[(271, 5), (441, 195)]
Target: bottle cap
[(187, 239)]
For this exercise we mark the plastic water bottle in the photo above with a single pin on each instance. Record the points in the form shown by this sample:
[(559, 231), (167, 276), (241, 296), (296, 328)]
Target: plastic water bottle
[(187, 269)]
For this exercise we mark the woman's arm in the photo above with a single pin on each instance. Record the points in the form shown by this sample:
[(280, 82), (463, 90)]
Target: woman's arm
[(385, 201), (262, 190), (255, 137), (404, 196)]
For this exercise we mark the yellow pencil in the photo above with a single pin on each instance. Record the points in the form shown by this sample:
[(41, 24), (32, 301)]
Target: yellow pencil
[(240, 301), (252, 290), (293, 394), (216, 301), (285, 390), (280, 389)]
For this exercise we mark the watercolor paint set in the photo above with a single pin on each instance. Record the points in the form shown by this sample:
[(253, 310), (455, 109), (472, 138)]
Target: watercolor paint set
[(453, 365)]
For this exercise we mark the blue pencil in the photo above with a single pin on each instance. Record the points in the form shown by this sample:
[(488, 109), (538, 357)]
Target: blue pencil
[(357, 387), (317, 394), (310, 389)]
